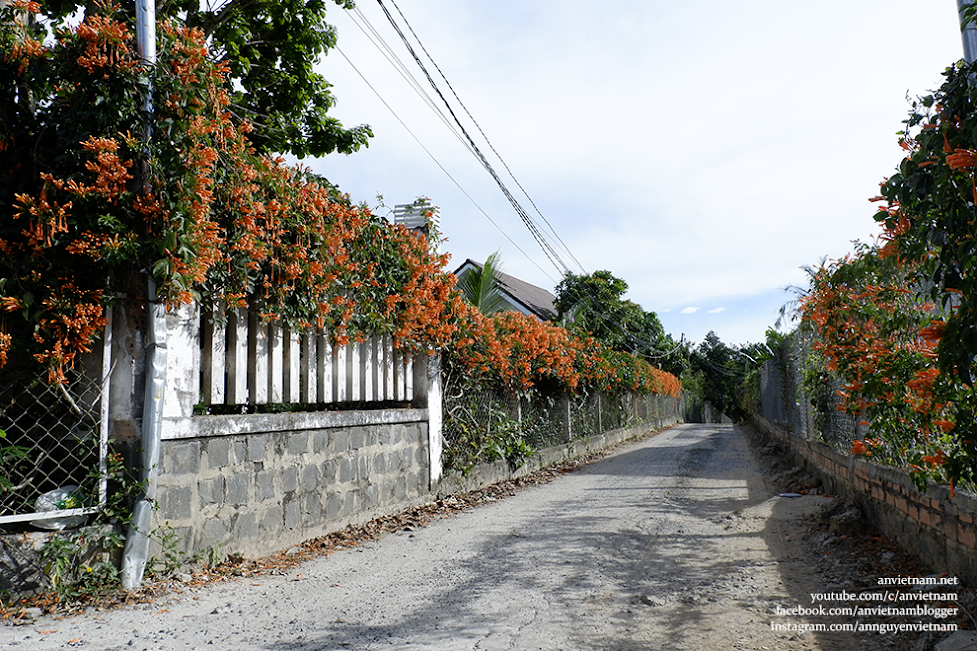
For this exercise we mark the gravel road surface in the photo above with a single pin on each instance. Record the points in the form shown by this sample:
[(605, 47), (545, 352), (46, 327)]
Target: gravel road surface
[(674, 542)]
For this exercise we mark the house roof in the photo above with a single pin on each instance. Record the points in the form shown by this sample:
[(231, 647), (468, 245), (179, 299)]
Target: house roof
[(532, 299)]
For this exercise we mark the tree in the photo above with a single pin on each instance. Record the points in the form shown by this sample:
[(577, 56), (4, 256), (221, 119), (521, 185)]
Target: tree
[(718, 372), (88, 203), (713, 359), (480, 286), (595, 304), (271, 49)]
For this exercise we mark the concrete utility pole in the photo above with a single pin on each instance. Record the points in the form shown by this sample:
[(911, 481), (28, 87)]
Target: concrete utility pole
[(136, 552), (968, 32)]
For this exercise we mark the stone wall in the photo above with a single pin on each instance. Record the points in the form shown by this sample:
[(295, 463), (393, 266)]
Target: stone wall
[(938, 525), (258, 483)]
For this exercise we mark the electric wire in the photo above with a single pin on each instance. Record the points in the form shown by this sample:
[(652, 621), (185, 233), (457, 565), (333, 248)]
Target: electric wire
[(548, 250), (466, 139), (377, 40), (438, 163), (485, 137)]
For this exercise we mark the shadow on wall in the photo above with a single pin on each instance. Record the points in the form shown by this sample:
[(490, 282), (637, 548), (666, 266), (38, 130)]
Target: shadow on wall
[(703, 412)]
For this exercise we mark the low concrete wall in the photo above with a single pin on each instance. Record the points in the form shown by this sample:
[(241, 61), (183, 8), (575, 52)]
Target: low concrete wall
[(256, 484), (938, 526), (486, 474)]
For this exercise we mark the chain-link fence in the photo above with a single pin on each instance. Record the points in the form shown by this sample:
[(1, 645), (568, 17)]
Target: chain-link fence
[(53, 450), (482, 423), (798, 393)]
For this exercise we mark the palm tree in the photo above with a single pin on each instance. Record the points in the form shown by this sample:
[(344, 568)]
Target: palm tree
[(482, 288), (791, 310)]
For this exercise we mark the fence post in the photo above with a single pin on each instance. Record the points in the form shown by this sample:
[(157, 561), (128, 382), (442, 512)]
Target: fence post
[(214, 356), (567, 417), (600, 423), (182, 362), (236, 357), (325, 381), (309, 368), (257, 360), (291, 365), (427, 395)]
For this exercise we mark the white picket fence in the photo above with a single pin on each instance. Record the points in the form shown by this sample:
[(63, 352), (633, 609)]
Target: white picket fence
[(250, 362)]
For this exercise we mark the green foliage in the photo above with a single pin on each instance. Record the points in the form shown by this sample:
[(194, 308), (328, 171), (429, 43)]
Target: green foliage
[(719, 372), (505, 440), (80, 563), (930, 215), (480, 286), (727, 377), (171, 558), (594, 304), (479, 427), (11, 456), (272, 49)]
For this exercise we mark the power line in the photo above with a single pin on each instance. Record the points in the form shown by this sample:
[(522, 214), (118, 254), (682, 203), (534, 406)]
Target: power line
[(548, 250), (487, 141), (437, 162), (467, 140)]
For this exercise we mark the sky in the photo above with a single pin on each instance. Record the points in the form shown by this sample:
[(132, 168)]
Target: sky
[(705, 152)]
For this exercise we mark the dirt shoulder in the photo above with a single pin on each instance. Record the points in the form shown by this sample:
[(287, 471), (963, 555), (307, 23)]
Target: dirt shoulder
[(827, 548)]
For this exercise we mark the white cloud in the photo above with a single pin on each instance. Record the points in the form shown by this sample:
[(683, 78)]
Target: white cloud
[(605, 120), (718, 310)]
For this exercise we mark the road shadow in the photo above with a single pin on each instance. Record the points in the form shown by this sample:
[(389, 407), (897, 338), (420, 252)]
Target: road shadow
[(660, 569)]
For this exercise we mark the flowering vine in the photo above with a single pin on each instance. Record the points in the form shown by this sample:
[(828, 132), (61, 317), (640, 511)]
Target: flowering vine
[(89, 205), (881, 340), (898, 321)]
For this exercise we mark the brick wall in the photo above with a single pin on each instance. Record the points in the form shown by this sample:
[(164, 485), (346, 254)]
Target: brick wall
[(937, 525), (259, 483)]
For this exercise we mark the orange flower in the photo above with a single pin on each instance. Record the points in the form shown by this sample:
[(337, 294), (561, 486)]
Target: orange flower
[(858, 447), (934, 331), (937, 459), (962, 158)]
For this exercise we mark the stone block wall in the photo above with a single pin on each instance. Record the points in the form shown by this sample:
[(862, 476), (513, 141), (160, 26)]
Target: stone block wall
[(258, 483), (938, 525)]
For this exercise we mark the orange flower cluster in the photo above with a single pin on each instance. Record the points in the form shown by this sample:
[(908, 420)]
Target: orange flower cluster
[(46, 219), (215, 222), (107, 43), (882, 341), (24, 48), (522, 353), (71, 319)]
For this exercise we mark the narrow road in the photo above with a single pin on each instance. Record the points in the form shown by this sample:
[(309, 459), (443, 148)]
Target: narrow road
[(671, 543)]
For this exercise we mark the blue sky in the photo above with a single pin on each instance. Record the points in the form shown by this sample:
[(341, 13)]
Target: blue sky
[(702, 151)]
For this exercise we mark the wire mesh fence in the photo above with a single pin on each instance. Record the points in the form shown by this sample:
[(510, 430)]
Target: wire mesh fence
[(483, 423), (53, 448), (801, 395)]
